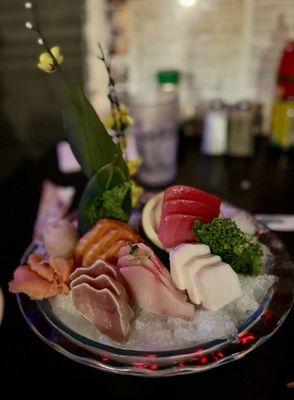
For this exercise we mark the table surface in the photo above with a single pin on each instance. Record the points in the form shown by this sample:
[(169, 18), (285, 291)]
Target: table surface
[(263, 374)]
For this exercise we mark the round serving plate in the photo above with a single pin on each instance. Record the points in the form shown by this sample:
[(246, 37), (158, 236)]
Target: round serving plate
[(258, 328)]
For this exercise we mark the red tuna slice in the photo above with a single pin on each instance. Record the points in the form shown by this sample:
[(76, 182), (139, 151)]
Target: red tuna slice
[(103, 309), (152, 295), (98, 268), (190, 207), (101, 282), (181, 192), (176, 229)]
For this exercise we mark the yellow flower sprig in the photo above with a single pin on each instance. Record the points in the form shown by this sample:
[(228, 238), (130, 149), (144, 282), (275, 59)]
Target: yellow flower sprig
[(136, 190), (136, 193), (120, 119), (46, 61), (133, 166)]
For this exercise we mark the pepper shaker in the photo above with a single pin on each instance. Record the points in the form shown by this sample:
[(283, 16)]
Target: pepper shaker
[(240, 138)]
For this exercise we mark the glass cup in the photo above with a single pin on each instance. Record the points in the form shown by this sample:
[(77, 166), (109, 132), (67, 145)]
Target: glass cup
[(156, 135)]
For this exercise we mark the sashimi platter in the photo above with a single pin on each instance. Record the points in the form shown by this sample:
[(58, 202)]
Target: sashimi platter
[(180, 284)]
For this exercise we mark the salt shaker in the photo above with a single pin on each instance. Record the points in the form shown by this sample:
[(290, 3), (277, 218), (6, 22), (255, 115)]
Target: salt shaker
[(214, 140), (240, 139)]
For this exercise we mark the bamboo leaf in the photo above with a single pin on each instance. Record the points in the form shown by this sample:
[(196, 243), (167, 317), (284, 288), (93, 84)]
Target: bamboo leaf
[(89, 140), (107, 195)]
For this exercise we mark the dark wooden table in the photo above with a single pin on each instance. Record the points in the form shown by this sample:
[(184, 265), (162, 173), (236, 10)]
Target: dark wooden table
[(28, 364)]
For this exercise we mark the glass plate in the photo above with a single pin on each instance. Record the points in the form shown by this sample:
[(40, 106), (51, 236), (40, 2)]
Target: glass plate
[(252, 333)]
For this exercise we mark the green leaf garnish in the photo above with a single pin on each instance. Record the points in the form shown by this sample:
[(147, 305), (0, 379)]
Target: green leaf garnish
[(89, 140), (107, 195)]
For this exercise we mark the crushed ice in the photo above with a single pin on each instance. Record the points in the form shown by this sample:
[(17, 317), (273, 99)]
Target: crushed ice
[(151, 332)]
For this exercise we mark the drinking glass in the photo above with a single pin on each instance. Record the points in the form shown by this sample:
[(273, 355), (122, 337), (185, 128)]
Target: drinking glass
[(156, 135)]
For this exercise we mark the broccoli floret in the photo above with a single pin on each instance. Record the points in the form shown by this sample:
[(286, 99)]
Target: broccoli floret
[(225, 239), (113, 202), (93, 210)]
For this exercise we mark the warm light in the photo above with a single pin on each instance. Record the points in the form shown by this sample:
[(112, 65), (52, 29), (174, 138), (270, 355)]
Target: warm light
[(29, 25), (187, 3), (247, 339), (204, 360), (28, 5)]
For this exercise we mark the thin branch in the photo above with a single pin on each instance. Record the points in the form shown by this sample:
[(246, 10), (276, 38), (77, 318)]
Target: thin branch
[(113, 98), (37, 29)]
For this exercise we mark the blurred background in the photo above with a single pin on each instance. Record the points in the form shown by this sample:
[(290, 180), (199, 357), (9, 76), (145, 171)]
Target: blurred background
[(217, 71)]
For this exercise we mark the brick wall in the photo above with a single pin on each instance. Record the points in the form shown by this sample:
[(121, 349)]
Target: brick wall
[(224, 48)]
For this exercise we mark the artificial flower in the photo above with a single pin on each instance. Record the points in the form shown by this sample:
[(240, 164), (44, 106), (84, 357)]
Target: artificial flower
[(137, 192), (120, 120), (46, 62), (133, 166)]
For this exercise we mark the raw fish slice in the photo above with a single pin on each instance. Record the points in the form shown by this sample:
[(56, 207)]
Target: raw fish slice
[(98, 231), (93, 245), (85, 243), (101, 282), (152, 295), (143, 248), (112, 254), (104, 310), (131, 261), (30, 283), (100, 250), (98, 247), (98, 268), (101, 246), (176, 229), (179, 192), (143, 251), (190, 207), (125, 251)]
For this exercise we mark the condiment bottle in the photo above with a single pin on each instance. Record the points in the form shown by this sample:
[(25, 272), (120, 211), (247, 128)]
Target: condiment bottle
[(214, 139), (240, 138), (283, 110), (168, 80)]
